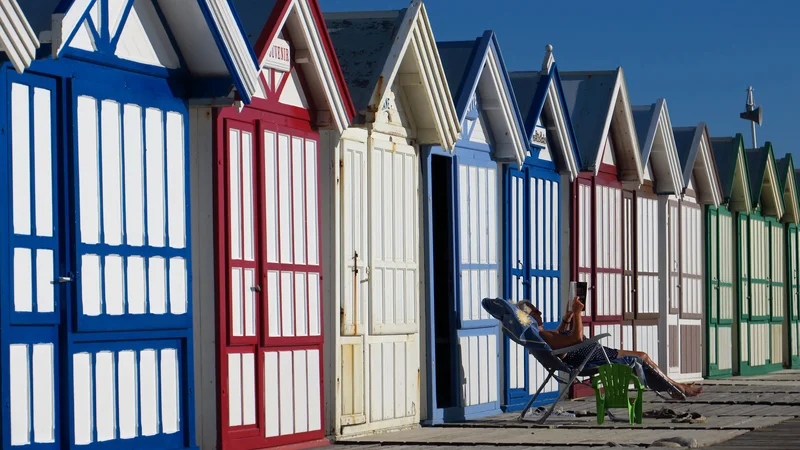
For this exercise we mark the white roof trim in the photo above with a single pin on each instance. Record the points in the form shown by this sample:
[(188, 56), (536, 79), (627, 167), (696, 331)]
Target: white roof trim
[(17, 38), (319, 57), (621, 93), (558, 114), (743, 176), (418, 35), (709, 168), (492, 65), (236, 46), (773, 181), (663, 123), (792, 194)]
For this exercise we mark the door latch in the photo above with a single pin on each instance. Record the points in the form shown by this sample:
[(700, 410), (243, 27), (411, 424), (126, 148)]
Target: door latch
[(61, 280)]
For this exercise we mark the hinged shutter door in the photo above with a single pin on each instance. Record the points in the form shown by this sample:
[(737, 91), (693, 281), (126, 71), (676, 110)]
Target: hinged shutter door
[(242, 246), (777, 270), (674, 257), (545, 255), (743, 264), (713, 266), (133, 259), (355, 236), (586, 249), (608, 230), (631, 227), (691, 261), (517, 273), (647, 257), (394, 230), (31, 300), (759, 269), (724, 295), (477, 203)]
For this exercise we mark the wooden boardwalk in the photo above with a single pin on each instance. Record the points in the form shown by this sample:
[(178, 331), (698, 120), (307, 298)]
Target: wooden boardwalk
[(748, 412)]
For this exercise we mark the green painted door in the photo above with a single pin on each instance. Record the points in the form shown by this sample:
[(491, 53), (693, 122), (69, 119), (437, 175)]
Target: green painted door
[(741, 342), (720, 292), (756, 327), (793, 308), (777, 278)]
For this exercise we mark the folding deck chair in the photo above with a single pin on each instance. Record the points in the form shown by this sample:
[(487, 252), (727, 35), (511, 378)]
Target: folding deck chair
[(522, 329)]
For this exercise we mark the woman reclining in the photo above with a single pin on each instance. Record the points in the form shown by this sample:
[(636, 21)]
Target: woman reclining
[(570, 332)]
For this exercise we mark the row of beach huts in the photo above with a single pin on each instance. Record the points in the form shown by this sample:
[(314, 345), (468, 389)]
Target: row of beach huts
[(230, 224)]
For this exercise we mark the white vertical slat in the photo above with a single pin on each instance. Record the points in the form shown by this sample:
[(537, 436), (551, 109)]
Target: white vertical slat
[(91, 283), (154, 159), (285, 198), (176, 168), (127, 389), (237, 307), (23, 279), (274, 303), (114, 285), (88, 170), (250, 320), (482, 217), (492, 218), (234, 389), (249, 389), (137, 285), (148, 391), (134, 175), (312, 205), (43, 393), (464, 222), (300, 392), (158, 285), (43, 187), (287, 304), (19, 394), (236, 172), (247, 243), (111, 171), (178, 295), (313, 389), (82, 395), (286, 394), (272, 388), (271, 196), (299, 198), (20, 157), (105, 396), (314, 319), (301, 304), (474, 238)]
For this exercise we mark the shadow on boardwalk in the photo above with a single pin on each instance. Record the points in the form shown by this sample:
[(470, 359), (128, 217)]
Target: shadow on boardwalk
[(745, 412)]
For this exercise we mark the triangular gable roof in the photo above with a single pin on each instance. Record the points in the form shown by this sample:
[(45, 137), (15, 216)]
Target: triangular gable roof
[(733, 172), (17, 38), (58, 20), (477, 66), (598, 104), (303, 21), (764, 174), (697, 158), (786, 176), (371, 47), (657, 144), (541, 96)]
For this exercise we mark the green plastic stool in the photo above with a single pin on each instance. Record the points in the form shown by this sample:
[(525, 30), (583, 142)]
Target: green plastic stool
[(614, 379)]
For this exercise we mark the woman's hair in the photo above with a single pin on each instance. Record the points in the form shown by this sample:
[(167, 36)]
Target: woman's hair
[(526, 306)]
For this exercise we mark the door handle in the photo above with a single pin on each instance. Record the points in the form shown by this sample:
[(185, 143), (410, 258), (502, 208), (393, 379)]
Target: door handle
[(256, 288), (61, 280)]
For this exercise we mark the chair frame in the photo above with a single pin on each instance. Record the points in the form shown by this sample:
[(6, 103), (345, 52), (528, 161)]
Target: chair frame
[(550, 361)]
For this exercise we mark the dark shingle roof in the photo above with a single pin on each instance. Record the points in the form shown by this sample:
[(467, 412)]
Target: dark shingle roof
[(588, 97)]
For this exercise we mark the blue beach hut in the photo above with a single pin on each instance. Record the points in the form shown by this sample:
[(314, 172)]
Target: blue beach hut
[(536, 199), (462, 217), (95, 237)]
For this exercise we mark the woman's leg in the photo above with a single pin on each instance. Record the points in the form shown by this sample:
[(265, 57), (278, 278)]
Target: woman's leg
[(689, 390)]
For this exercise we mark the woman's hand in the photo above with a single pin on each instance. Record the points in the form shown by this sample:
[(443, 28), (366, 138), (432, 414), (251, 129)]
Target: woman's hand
[(577, 306)]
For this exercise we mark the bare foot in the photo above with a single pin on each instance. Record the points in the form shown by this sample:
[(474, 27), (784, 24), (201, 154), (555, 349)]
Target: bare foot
[(690, 390)]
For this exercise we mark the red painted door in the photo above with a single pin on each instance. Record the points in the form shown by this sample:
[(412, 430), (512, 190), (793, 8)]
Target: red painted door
[(269, 283)]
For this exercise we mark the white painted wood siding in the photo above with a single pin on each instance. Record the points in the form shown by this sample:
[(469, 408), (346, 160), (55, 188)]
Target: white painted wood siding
[(647, 255), (608, 230)]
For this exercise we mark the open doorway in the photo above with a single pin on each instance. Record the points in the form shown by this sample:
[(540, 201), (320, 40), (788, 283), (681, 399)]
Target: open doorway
[(443, 231)]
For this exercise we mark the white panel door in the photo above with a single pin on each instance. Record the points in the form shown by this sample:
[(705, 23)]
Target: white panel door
[(394, 232)]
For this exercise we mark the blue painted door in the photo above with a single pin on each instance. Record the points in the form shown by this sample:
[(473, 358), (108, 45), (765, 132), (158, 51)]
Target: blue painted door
[(97, 341), (477, 340), (533, 271)]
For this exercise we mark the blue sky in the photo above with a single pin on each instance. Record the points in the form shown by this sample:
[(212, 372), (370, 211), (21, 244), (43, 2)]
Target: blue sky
[(700, 55)]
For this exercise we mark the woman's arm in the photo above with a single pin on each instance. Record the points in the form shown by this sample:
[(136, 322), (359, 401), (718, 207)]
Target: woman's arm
[(577, 320), (566, 322)]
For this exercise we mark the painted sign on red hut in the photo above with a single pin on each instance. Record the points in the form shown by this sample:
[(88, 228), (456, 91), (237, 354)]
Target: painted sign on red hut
[(278, 56)]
